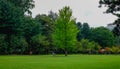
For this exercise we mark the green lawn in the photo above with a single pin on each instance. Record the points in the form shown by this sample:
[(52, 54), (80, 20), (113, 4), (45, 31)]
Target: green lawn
[(60, 62)]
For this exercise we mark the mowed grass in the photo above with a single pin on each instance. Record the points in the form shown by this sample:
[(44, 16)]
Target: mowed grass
[(60, 62)]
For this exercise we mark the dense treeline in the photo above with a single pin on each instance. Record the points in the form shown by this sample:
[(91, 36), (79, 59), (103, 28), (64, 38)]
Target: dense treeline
[(52, 33)]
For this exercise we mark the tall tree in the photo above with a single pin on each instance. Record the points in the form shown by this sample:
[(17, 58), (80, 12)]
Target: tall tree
[(12, 15), (65, 31), (113, 7), (53, 15), (47, 27), (103, 36), (30, 28), (85, 31), (79, 35), (24, 5)]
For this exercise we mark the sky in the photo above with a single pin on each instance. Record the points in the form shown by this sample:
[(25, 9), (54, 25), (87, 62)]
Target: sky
[(83, 10)]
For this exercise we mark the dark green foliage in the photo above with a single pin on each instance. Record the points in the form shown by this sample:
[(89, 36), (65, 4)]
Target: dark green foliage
[(10, 18), (103, 36), (3, 44), (116, 30), (113, 7), (18, 45), (85, 32), (40, 44), (79, 35), (47, 27), (117, 41), (24, 5)]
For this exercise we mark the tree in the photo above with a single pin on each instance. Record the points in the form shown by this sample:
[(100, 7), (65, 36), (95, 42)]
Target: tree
[(79, 35), (19, 45), (40, 44), (24, 5), (11, 16), (117, 41), (85, 31), (87, 46), (53, 15), (3, 44), (47, 27), (102, 36), (113, 7), (65, 30), (30, 28)]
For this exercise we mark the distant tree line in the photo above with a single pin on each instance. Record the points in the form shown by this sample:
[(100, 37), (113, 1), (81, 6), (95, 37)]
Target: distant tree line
[(20, 33)]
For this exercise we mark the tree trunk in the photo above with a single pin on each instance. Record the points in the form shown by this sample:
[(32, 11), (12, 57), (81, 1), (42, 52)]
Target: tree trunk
[(66, 53)]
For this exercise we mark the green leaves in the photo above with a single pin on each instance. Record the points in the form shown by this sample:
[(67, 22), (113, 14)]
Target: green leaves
[(66, 30)]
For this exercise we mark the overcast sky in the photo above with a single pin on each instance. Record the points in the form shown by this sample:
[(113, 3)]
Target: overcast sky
[(83, 10)]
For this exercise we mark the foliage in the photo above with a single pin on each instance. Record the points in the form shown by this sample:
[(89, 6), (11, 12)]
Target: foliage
[(86, 46), (113, 7), (85, 31), (18, 45), (3, 44), (103, 36), (65, 30), (117, 41), (40, 44), (115, 50)]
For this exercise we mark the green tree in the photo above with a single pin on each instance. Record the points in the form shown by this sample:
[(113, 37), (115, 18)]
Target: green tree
[(102, 36), (47, 27), (24, 5), (53, 15), (85, 31), (117, 41), (11, 16), (79, 35), (40, 44), (86, 46), (19, 45), (30, 28), (65, 31), (3, 44), (10, 19), (113, 7)]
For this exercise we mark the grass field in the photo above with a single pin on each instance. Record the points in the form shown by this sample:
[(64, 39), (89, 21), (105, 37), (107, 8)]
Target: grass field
[(60, 62)]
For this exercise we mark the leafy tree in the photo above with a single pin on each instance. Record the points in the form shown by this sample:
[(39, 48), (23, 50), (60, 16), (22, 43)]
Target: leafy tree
[(116, 30), (3, 44), (11, 16), (53, 15), (102, 36), (30, 28), (19, 45), (86, 46), (79, 35), (65, 31), (47, 27), (117, 41), (113, 7), (115, 50), (47, 24), (24, 5), (40, 44), (85, 31)]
